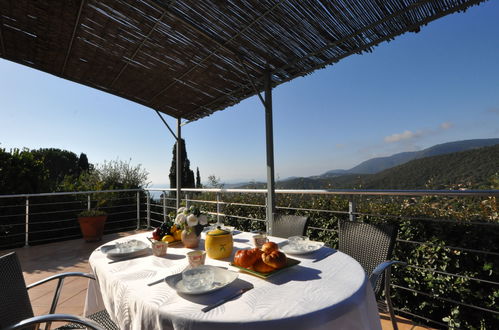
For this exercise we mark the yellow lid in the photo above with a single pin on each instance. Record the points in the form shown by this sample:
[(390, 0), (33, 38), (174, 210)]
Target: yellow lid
[(217, 232)]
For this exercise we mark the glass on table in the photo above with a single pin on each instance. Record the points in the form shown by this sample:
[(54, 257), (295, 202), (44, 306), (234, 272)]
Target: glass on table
[(196, 258), (299, 243), (259, 240), (199, 278), (159, 248)]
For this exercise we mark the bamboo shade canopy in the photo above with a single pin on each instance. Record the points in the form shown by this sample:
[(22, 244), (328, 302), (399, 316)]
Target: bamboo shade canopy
[(191, 58)]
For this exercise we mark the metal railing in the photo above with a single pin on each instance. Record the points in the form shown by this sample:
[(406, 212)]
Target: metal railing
[(42, 214), (353, 207), (245, 208)]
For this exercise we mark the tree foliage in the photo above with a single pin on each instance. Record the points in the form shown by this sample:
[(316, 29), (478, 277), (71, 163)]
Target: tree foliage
[(46, 170), (187, 178), (42, 170), (22, 173), (112, 175), (198, 179), (83, 164), (215, 182), (59, 164)]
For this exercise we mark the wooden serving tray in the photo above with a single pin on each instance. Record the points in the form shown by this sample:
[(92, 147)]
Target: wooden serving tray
[(290, 262)]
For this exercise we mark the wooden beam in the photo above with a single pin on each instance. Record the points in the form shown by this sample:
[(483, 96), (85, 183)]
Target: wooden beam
[(142, 43), (336, 59), (257, 92), (68, 52), (219, 43), (390, 36), (2, 45), (217, 49), (371, 26)]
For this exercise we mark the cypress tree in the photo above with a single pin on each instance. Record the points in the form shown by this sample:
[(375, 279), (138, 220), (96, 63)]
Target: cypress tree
[(198, 179), (187, 178), (83, 165)]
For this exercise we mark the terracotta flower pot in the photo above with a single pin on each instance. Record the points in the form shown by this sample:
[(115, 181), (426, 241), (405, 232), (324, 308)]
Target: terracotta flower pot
[(92, 227), (190, 239)]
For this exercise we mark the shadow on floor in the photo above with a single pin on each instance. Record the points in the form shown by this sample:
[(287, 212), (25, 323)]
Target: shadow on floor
[(54, 257)]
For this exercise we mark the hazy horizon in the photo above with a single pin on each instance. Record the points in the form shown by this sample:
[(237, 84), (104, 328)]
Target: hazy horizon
[(264, 179)]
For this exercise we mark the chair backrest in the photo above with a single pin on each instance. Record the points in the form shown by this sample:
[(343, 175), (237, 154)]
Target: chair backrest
[(14, 300), (369, 244), (289, 225)]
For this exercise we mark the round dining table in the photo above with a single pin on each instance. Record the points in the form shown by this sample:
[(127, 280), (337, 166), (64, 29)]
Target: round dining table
[(326, 290)]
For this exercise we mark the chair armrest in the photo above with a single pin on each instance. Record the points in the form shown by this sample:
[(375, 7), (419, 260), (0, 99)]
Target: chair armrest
[(54, 318), (378, 271), (61, 276)]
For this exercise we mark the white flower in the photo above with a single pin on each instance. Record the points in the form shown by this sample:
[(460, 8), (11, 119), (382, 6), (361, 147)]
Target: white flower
[(203, 220), (192, 220), (181, 210), (180, 219)]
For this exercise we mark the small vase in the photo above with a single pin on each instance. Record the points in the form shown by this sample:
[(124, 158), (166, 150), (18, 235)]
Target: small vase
[(190, 239)]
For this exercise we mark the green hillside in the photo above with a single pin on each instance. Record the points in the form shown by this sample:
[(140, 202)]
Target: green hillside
[(471, 169), (376, 165)]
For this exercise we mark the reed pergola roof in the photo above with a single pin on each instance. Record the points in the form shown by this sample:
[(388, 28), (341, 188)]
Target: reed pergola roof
[(191, 58)]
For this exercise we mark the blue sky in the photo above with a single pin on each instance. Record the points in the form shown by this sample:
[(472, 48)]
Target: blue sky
[(436, 86)]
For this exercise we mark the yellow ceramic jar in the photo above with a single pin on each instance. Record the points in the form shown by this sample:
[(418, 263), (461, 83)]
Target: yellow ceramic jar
[(218, 243)]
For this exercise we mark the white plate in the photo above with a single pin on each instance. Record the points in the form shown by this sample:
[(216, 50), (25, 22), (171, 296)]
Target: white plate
[(223, 277), (127, 249), (312, 247)]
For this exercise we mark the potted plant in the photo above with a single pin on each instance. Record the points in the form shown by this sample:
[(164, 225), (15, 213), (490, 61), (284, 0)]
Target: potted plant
[(92, 223), (93, 219)]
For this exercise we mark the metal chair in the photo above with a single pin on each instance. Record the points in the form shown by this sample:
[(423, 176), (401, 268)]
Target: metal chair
[(289, 225), (372, 246), (15, 307)]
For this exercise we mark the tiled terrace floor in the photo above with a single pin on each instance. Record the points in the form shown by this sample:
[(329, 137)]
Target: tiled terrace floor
[(41, 261)]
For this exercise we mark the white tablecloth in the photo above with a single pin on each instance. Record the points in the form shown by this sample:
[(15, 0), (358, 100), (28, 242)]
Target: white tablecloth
[(319, 293)]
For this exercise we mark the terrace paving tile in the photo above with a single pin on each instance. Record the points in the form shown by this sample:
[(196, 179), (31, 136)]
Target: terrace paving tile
[(41, 261)]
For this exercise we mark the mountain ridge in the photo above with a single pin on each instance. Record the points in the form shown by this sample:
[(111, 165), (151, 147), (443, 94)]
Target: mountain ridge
[(344, 179), (378, 164)]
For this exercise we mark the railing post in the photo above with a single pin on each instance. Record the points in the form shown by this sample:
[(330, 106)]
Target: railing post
[(218, 209), (138, 210), (89, 202), (351, 208), (148, 210), (179, 162), (186, 201), (268, 226), (26, 242), (164, 206)]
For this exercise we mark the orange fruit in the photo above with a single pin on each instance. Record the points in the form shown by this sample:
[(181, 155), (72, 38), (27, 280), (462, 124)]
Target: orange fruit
[(178, 235), (168, 238)]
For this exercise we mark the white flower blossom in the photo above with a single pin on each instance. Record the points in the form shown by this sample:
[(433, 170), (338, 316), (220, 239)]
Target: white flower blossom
[(180, 219), (192, 220), (203, 220), (181, 210)]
